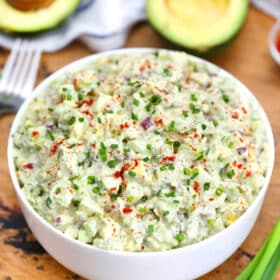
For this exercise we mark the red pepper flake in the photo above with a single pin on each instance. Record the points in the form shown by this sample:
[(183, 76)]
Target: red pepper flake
[(142, 68), (138, 216), (127, 210), (195, 135), (113, 206), (234, 163), (75, 83), (80, 144), (211, 199), (244, 110), (118, 97), (277, 42), (146, 123), (158, 122), (169, 158), (196, 186), (28, 166), (88, 113), (92, 145), (55, 146), (234, 115), (117, 174), (136, 162), (113, 189), (123, 126), (239, 166), (248, 173), (84, 102), (142, 247), (34, 133)]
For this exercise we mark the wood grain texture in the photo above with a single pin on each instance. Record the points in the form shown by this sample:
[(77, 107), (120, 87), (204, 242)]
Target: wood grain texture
[(21, 257)]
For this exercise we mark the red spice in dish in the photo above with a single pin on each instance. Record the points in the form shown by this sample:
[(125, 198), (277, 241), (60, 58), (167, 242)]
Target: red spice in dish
[(127, 210), (277, 42), (28, 166)]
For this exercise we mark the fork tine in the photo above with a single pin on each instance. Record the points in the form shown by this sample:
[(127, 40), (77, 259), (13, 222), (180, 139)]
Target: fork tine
[(30, 81), (24, 73), (16, 71), (9, 65)]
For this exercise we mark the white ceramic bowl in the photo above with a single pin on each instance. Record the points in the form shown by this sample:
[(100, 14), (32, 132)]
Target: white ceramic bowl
[(177, 264), (272, 42)]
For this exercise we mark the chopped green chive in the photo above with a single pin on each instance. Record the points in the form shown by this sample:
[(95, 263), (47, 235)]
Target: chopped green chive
[(187, 171), (171, 126), (176, 146), (168, 142), (50, 109), (69, 97), (180, 237), (130, 198), (112, 163), (80, 96), (230, 173), (195, 173), (143, 210), (149, 147), (103, 151), (215, 123), (203, 126), (193, 97), (136, 84), (230, 145), (171, 167), (144, 198), (150, 228), (50, 134), (131, 173), (219, 191), (166, 72), (220, 159), (81, 119), (194, 109), (155, 100), (114, 146), (38, 148), (75, 187), (185, 114), (206, 186), (91, 180), (71, 120), (211, 223), (165, 213), (163, 168), (48, 202), (96, 190), (225, 98), (134, 116), (146, 159), (170, 194), (156, 132), (136, 102), (126, 150), (99, 120), (199, 156), (58, 190)]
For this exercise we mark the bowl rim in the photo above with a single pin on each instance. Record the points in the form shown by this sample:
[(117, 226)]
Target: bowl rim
[(90, 59), (275, 30)]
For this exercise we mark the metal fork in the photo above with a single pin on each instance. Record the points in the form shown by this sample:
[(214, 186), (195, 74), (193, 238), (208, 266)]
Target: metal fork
[(19, 75)]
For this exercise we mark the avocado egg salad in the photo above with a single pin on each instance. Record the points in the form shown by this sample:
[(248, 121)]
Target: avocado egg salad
[(141, 151)]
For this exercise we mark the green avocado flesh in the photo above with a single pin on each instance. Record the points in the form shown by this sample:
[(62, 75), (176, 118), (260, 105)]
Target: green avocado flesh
[(198, 25), (37, 20)]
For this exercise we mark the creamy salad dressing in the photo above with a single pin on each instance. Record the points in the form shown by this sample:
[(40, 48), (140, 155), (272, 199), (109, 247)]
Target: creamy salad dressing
[(141, 152)]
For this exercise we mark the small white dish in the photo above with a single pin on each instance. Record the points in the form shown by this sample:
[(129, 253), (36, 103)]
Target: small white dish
[(178, 264), (275, 31)]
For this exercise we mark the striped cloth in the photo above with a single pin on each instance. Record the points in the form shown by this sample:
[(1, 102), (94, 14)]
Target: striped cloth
[(271, 7)]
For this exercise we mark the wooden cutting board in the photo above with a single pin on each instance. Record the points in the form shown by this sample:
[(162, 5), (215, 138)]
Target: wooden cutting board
[(248, 58)]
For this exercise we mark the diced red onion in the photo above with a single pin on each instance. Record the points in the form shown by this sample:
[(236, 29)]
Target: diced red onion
[(209, 117), (146, 123), (57, 220), (49, 126)]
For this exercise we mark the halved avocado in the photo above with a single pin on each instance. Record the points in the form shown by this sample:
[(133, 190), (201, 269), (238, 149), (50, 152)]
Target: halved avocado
[(16, 20), (198, 25)]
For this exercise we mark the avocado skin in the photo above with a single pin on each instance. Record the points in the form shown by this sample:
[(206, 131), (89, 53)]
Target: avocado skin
[(196, 51), (53, 21)]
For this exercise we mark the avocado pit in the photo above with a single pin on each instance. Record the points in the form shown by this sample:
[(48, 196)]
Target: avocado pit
[(30, 5)]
